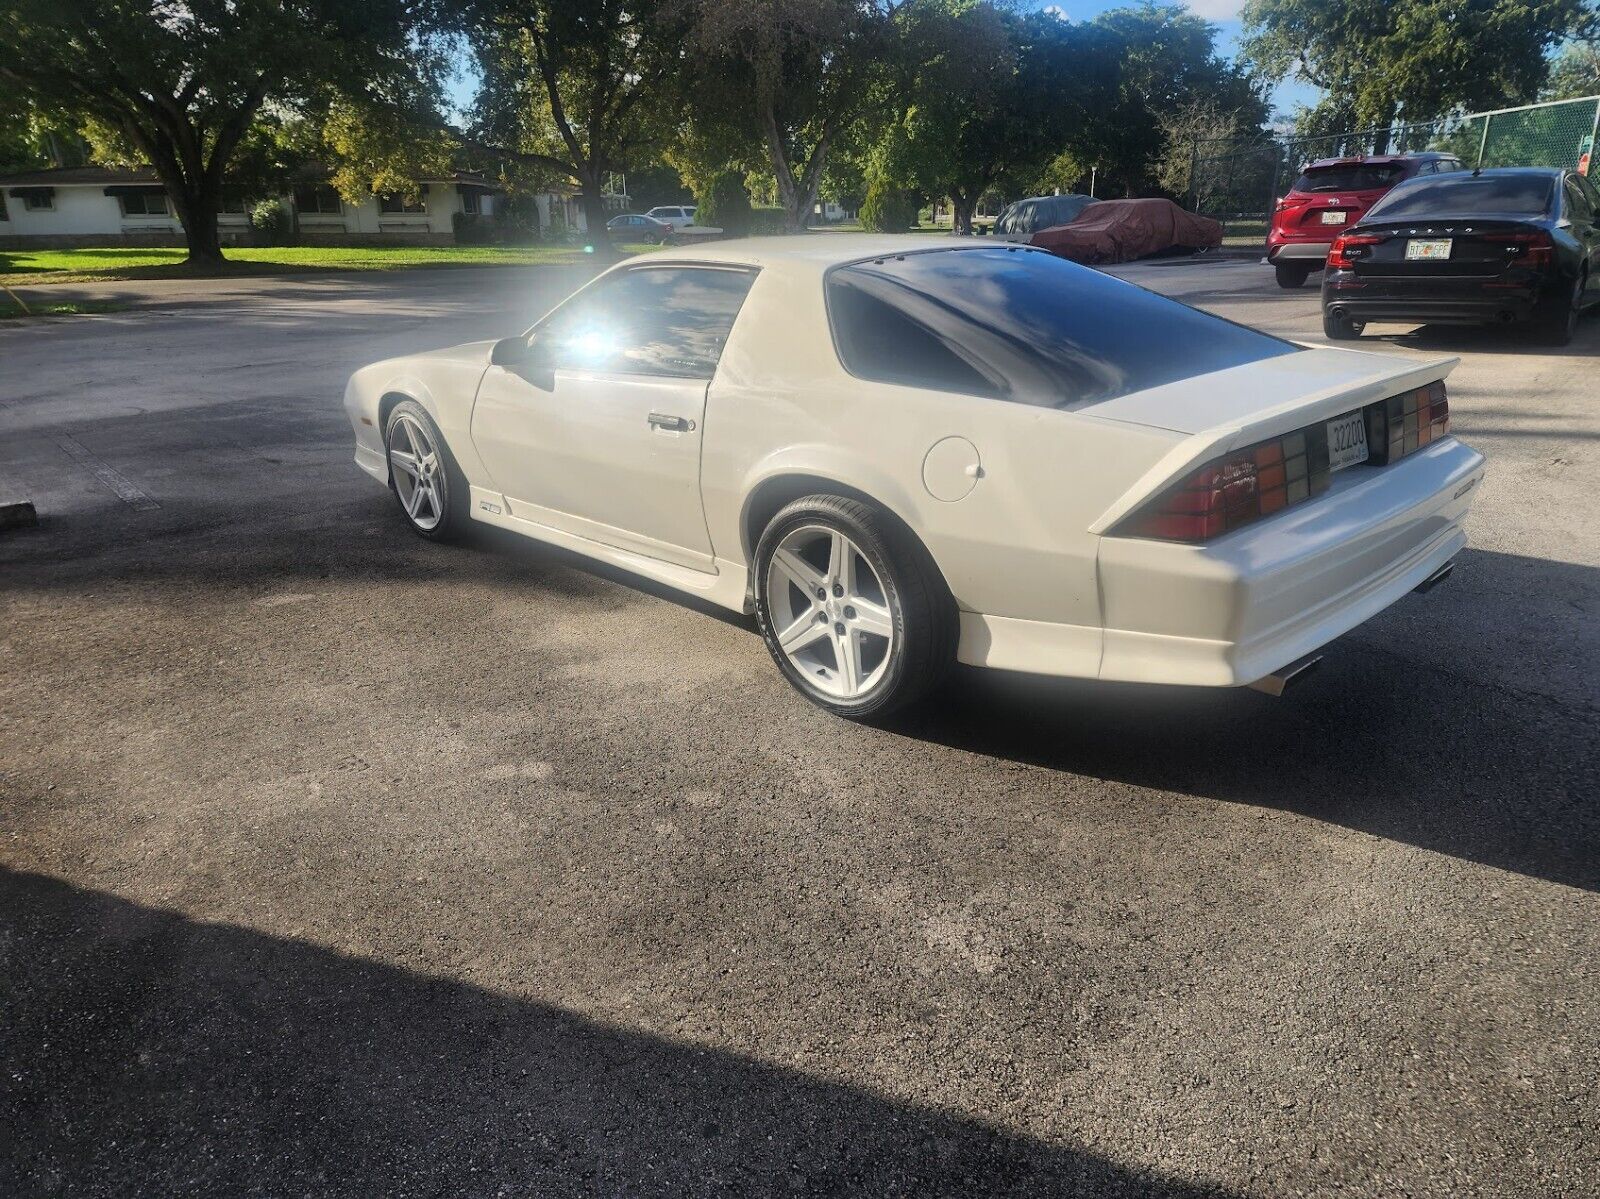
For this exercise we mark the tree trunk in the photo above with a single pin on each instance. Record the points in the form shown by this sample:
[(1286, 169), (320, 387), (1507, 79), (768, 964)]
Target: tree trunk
[(961, 214), (593, 199), (197, 212)]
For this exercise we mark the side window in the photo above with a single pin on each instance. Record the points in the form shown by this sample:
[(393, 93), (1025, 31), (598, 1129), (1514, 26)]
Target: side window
[(1590, 192), (1579, 211), (648, 321)]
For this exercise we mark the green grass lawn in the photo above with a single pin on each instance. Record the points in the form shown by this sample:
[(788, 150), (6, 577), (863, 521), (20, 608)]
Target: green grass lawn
[(11, 310), (30, 267)]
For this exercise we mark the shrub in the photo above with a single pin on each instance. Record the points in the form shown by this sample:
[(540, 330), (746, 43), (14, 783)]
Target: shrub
[(516, 218), (887, 209), (271, 222), (471, 229), (725, 205), (764, 221)]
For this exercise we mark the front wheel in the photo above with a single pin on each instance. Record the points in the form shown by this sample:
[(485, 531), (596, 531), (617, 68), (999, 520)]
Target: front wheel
[(852, 610), (430, 488), (1292, 274), (1336, 326)]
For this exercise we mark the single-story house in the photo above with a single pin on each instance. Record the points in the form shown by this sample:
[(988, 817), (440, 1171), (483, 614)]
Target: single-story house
[(96, 206)]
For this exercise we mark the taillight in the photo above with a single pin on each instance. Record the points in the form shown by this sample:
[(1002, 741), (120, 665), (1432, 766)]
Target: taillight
[(1415, 419), (1234, 490), (1530, 249), (1340, 256)]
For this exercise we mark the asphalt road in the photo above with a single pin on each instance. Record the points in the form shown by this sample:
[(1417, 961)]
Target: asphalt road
[(335, 862)]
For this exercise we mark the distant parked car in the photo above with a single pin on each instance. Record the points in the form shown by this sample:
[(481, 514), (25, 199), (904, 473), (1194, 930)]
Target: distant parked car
[(1020, 221), (1518, 244), (676, 215), (1123, 230), (638, 227), (1331, 195)]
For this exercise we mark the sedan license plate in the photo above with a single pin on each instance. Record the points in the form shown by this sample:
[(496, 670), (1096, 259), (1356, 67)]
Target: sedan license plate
[(1347, 440), (1427, 249), (1334, 218)]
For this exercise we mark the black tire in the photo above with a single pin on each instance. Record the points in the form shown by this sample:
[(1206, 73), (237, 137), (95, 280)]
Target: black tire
[(1292, 275), (1558, 328), (922, 610), (1338, 327), (454, 495)]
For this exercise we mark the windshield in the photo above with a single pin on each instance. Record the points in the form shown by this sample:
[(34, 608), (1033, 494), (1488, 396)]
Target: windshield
[(1461, 194), (1023, 325), (1355, 178)]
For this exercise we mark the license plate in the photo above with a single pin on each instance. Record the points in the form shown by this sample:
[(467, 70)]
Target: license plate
[(1347, 440), (1427, 249), (1333, 218)]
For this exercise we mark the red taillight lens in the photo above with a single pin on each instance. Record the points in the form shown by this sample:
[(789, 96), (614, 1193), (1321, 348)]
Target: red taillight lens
[(1340, 257), (1415, 419), (1530, 249), (1237, 489)]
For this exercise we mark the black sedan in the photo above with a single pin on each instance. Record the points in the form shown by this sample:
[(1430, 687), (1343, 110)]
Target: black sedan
[(634, 226), (1491, 246)]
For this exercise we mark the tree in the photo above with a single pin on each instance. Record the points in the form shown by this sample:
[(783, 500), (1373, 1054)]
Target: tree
[(179, 84), (991, 96), (573, 85), (792, 74), (1409, 60), (1170, 68)]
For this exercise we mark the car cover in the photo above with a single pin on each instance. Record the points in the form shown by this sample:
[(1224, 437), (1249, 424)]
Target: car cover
[(1122, 230)]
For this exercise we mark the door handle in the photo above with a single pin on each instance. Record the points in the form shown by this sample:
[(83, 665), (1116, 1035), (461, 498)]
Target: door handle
[(674, 424)]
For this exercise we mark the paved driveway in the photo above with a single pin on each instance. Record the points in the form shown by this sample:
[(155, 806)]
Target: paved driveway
[(332, 861)]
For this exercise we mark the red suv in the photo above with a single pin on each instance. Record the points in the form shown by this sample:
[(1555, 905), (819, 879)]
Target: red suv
[(1331, 195)]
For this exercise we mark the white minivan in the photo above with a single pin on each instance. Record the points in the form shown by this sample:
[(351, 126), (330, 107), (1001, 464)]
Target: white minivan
[(676, 215)]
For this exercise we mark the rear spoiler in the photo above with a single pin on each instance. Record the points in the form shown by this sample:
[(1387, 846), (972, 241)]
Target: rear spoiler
[(1390, 376)]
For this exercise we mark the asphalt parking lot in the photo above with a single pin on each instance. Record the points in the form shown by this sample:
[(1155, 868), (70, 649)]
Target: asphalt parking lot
[(337, 862)]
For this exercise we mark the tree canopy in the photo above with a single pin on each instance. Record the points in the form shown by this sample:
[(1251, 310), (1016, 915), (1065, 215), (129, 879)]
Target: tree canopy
[(1384, 61), (180, 84)]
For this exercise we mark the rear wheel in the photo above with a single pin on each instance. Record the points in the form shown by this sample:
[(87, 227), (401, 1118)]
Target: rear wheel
[(852, 610), (1558, 328), (1336, 326), (1292, 274)]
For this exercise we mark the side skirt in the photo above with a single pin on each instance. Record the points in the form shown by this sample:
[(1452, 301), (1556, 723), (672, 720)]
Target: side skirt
[(724, 586)]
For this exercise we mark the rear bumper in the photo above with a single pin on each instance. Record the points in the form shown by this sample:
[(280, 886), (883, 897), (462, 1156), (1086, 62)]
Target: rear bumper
[(1298, 251), (1247, 604), (1468, 310)]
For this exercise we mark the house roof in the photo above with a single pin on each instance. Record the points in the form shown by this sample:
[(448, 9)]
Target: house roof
[(85, 176)]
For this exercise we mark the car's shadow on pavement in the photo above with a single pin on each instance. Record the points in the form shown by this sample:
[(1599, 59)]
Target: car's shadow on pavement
[(1471, 761), (147, 1053)]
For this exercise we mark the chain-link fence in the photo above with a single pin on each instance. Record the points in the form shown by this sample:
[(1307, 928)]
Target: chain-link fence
[(1239, 181)]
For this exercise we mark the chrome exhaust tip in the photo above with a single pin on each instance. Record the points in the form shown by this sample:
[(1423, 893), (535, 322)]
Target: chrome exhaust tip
[(1437, 577), (1280, 680)]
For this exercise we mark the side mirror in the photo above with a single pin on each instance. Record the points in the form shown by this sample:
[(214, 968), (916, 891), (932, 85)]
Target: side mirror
[(510, 351)]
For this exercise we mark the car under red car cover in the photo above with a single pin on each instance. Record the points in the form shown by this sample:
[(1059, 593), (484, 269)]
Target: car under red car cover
[(1122, 230)]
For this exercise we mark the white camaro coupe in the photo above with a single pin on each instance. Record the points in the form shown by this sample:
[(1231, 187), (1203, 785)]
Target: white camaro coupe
[(902, 452)]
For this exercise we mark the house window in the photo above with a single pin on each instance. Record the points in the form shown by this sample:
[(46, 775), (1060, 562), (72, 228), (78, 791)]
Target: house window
[(318, 200), (471, 201), (233, 199), (36, 199), (4, 215), (143, 203), (392, 202)]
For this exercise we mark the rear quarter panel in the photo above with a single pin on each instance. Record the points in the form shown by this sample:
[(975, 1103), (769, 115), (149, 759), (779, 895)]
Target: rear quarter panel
[(1018, 544)]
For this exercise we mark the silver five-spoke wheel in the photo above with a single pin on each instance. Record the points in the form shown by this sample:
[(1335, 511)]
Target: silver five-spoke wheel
[(418, 471), (830, 612)]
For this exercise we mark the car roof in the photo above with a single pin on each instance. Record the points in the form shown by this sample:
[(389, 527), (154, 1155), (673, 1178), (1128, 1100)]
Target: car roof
[(1378, 159), (814, 253)]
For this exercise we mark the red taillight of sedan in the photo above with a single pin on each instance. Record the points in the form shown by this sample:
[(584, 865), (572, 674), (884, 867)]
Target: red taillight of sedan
[(1340, 256), (1243, 486)]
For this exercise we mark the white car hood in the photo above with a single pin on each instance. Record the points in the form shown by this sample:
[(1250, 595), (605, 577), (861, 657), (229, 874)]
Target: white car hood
[(1250, 395), (471, 353)]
